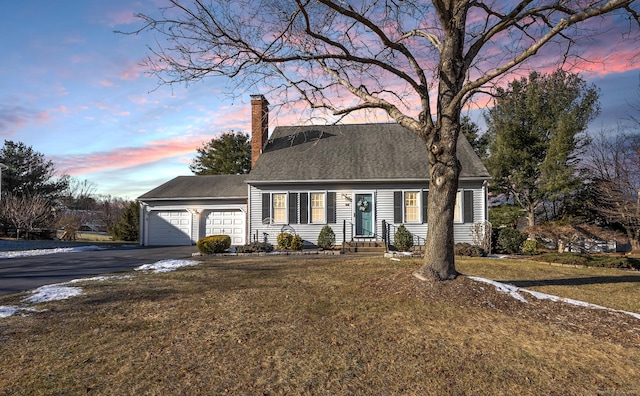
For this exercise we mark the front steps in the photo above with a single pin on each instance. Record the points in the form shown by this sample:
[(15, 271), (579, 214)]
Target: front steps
[(364, 247)]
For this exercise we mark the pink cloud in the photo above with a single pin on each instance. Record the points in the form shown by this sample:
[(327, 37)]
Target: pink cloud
[(138, 99), (128, 157), (132, 71), (43, 117)]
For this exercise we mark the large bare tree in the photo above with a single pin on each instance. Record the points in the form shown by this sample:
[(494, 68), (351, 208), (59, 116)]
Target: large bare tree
[(416, 61), (614, 163), (26, 212)]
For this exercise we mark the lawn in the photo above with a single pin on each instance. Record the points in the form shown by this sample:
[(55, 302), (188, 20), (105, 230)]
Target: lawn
[(324, 325)]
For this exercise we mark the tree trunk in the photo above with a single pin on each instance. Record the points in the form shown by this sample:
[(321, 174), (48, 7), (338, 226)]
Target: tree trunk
[(531, 220), (443, 187), (441, 143), (635, 245)]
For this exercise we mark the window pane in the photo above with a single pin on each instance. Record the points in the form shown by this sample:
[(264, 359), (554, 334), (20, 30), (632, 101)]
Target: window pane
[(317, 208), (457, 212), (411, 210), (280, 208)]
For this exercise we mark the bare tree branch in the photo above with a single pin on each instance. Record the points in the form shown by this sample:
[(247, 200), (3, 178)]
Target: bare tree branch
[(417, 61)]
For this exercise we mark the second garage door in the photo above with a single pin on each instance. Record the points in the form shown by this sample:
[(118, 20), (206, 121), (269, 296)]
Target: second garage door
[(227, 222)]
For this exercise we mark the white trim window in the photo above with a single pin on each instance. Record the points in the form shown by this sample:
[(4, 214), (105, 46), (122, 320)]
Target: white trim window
[(279, 208), (318, 207), (457, 211), (412, 207)]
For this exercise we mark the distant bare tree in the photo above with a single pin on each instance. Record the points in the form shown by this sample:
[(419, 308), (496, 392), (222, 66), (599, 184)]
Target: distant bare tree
[(111, 210), (26, 213), (70, 222), (614, 163), (416, 61), (80, 195)]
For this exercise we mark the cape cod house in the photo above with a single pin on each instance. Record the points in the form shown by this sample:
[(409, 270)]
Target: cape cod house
[(363, 180)]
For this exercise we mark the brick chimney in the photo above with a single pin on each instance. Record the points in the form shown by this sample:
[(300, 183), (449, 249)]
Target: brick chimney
[(259, 125)]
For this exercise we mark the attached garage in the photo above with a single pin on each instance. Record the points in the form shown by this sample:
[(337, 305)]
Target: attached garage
[(227, 222), (187, 208), (170, 228)]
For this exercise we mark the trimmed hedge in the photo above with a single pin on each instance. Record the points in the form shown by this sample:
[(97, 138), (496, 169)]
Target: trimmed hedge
[(214, 244)]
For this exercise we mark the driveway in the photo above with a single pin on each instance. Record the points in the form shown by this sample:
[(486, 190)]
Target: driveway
[(26, 273)]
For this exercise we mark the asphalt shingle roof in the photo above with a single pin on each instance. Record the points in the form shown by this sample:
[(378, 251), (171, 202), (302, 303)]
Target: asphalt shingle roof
[(209, 186), (352, 152)]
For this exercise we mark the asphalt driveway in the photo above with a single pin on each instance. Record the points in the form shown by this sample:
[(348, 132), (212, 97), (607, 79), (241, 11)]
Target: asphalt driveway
[(26, 273)]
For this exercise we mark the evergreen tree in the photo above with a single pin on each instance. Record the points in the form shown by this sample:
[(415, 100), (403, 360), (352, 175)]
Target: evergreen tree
[(29, 173), (536, 131), (127, 228), (471, 131), (228, 154)]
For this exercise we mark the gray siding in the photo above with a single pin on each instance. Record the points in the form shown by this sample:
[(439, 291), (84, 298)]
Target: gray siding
[(382, 209)]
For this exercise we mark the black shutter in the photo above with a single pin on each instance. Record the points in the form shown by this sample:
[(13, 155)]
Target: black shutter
[(331, 207), (397, 207), (425, 206), (266, 206), (468, 206), (304, 208), (293, 208)]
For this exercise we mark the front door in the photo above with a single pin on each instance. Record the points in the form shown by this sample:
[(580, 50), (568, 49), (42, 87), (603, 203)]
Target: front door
[(364, 215)]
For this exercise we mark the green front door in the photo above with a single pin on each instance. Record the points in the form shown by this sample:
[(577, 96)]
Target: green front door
[(364, 215)]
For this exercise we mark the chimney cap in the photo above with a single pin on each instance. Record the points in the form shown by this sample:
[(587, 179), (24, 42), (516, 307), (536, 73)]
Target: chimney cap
[(259, 97)]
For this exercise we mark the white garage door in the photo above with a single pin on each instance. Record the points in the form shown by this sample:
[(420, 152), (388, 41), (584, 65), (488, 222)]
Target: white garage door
[(227, 222), (170, 228)]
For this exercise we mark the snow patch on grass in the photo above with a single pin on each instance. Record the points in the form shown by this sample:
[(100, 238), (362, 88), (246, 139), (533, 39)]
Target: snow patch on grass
[(53, 292), (515, 291), (167, 265)]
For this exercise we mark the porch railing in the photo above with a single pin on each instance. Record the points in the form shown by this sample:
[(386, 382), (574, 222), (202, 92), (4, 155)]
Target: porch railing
[(389, 231)]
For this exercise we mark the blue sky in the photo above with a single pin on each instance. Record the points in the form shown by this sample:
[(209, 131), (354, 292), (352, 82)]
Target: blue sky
[(75, 91)]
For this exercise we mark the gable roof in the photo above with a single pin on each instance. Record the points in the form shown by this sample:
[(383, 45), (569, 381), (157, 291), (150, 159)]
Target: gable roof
[(353, 152), (205, 186)]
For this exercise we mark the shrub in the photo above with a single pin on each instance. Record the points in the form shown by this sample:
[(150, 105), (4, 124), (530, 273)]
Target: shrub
[(214, 244), (403, 239), (296, 243), (590, 260), (256, 247), (530, 246), (284, 240), (262, 247), (287, 241), (327, 238), (510, 240), (244, 249), (467, 249)]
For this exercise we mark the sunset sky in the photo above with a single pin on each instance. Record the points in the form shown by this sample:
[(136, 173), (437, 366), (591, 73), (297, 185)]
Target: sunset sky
[(75, 91)]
